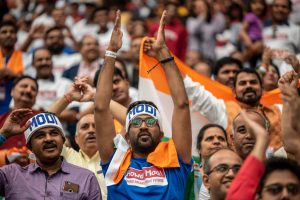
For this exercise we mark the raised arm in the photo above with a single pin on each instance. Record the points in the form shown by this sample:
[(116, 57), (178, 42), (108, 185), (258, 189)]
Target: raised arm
[(291, 108), (181, 122), (12, 123), (105, 131)]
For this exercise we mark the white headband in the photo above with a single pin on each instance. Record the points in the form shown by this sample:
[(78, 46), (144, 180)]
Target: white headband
[(143, 109), (42, 120)]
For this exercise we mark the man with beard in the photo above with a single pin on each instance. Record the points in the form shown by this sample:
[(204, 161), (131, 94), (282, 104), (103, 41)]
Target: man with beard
[(90, 62), (51, 177), (142, 166), (247, 89), (11, 62), (51, 87)]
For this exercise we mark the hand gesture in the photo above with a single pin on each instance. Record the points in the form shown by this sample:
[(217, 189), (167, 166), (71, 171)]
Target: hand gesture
[(86, 89), (153, 46), (293, 61), (12, 125), (266, 57), (116, 37), (289, 78)]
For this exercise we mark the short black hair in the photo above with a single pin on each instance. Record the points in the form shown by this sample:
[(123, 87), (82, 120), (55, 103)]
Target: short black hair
[(134, 104), (226, 61), (117, 72), (275, 67), (125, 75), (290, 4), (19, 78), (202, 132), (278, 164), (248, 71), (40, 48), (264, 11), (54, 28), (99, 8), (9, 23)]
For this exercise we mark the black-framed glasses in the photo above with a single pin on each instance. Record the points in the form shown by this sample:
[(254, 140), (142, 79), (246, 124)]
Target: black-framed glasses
[(277, 188), (137, 122), (224, 168)]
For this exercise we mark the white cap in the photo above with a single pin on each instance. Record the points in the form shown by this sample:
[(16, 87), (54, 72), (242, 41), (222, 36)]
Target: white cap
[(42, 120)]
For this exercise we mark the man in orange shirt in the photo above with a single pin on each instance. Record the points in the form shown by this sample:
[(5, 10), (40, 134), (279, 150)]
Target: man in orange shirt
[(11, 62)]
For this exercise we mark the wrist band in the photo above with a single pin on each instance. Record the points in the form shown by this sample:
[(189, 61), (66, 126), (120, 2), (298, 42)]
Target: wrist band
[(2, 139), (111, 54), (67, 98), (163, 61)]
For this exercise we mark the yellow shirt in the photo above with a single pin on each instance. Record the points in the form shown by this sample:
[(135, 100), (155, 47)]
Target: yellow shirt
[(93, 164)]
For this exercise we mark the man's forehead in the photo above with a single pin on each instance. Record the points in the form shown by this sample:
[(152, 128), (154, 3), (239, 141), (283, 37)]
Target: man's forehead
[(26, 81), (224, 156), (255, 116), (7, 27), (244, 76), (89, 118), (231, 66)]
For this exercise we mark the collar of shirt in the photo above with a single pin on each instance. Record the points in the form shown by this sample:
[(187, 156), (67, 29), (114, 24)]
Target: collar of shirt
[(51, 78), (269, 23), (63, 168), (95, 157)]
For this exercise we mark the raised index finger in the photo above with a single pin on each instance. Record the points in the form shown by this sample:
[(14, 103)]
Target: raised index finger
[(162, 22), (118, 20)]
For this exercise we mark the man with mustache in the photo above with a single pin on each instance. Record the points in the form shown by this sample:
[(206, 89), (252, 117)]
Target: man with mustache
[(51, 87), (247, 90), (24, 92), (142, 166), (88, 156), (51, 176)]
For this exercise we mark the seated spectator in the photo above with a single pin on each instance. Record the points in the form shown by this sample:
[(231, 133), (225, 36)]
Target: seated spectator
[(44, 137)]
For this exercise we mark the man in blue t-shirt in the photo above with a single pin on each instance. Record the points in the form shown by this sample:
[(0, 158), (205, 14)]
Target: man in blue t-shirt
[(142, 166)]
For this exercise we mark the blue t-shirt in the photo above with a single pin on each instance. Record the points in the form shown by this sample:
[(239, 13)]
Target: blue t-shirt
[(145, 181)]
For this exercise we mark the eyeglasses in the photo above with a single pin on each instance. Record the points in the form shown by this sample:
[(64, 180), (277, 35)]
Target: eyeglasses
[(223, 169), (137, 122), (277, 188)]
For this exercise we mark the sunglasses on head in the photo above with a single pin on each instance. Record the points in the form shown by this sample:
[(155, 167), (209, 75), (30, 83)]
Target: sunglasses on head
[(137, 122), (277, 188)]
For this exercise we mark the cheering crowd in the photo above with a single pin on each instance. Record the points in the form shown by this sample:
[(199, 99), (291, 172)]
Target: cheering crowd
[(73, 124)]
